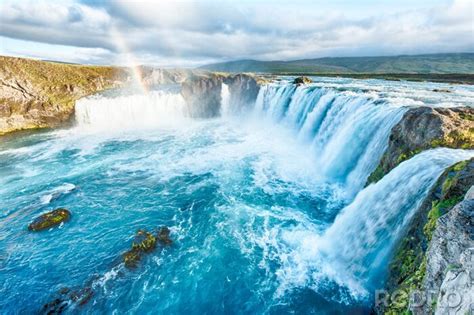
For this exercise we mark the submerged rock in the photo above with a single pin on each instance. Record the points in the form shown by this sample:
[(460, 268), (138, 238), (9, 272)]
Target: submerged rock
[(302, 80), (145, 242), (50, 219), (442, 90), (66, 298), (164, 236)]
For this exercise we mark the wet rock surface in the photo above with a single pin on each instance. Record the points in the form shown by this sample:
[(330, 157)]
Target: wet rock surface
[(423, 128), (50, 219), (433, 255), (143, 244)]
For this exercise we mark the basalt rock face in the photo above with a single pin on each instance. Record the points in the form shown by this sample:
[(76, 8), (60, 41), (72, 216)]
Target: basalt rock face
[(202, 92), (38, 94), (432, 258), (424, 128)]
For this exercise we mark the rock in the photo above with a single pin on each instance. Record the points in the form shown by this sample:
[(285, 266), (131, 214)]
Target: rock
[(202, 92), (66, 298), (39, 94), (302, 80), (423, 128), (448, 261), (164, 236), (144, 242), (442, 90), (432, 247), (50, 219), (202, 95)]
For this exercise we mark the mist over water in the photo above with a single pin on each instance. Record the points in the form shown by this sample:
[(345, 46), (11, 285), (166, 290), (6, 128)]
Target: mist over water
[(266, 208)]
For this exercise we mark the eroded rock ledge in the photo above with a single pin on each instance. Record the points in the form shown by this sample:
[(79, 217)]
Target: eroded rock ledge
[(423, 128), (38, 94)]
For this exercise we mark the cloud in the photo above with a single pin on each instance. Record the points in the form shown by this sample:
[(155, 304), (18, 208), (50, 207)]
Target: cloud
[(193, 32)]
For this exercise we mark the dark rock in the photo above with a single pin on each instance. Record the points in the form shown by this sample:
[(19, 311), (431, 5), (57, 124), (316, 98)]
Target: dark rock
[(442, 90), (302, 80), (50, 219), (164, 236)]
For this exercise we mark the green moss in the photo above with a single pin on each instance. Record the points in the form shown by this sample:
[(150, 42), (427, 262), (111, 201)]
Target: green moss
[(466, 116), (376, 175), (50, 219), (459, 139)]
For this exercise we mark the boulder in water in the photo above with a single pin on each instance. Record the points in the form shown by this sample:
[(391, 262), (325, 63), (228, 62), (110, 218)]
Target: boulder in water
[(302, 80), (144, 242), (164, 236), (50, 219)]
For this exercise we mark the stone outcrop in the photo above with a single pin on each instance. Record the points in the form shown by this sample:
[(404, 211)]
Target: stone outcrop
[(433, 255), (450, 263), (423, 128), (302, 80), (39, 94), (202, 92)]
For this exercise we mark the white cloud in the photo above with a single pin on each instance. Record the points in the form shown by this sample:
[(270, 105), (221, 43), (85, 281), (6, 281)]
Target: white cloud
[(194, 32)]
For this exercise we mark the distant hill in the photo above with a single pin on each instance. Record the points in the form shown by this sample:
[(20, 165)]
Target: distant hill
[(462, 63)]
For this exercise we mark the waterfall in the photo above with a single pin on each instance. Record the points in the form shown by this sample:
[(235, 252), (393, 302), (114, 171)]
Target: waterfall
[(154, 108), (348, 132), (225, 100), (358, 243)]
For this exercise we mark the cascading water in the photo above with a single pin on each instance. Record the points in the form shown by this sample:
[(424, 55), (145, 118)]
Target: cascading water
[(143, 110), (348, 132), (225, 100), (359, 241), (266, 208)]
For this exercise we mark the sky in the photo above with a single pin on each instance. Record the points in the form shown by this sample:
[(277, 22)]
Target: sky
[(186, 33)]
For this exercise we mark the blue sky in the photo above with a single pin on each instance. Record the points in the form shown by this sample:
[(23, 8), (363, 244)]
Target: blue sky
[(191, 33)]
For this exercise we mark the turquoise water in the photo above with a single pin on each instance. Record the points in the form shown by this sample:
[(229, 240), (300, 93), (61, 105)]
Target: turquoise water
[(227, 195), (267, 212)]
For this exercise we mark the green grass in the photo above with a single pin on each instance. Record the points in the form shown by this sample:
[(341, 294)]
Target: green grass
[(456, 67)]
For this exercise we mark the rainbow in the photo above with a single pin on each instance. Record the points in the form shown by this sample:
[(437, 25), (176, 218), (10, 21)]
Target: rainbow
[(131, 61)]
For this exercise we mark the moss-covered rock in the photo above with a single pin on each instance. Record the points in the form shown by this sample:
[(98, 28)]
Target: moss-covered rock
[(39, 94), (145, 242), (50, 219), (408, 267), (424, 128)]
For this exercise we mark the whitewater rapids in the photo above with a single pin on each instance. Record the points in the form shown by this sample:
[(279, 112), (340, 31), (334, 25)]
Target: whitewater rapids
[(267, 208)]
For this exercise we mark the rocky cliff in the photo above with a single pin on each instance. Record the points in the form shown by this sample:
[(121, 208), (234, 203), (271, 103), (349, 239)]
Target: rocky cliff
[(423, 128), (38, 94), (203, 92), (433, 255)]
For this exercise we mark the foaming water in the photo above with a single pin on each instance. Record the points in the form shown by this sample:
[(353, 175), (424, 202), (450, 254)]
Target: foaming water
[(266, 210), (155, 108), (348, 132)]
